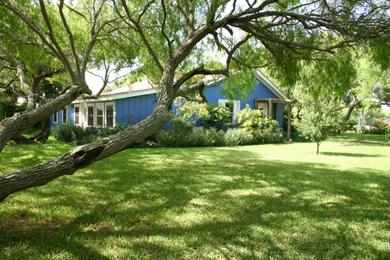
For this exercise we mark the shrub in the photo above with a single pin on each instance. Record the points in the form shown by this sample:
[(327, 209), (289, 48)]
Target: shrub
[(297, 136), (75, 134), (180, 138), (250, 118), (190, 111), (245, 136), (218, 117), (238, 136), (380, 126), (267, 136), (107, 131)]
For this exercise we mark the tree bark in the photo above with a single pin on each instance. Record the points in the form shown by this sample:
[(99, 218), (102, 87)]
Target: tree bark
[(83, 156), (41, 137), (12, 126), (351, 107), (318, 148)]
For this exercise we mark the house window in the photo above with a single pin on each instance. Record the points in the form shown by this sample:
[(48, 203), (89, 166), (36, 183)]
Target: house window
[(64, 115), (99, 115), (55, 118), (263, 107), (232, 105), (110, 114), (77, 115), (90, 115)]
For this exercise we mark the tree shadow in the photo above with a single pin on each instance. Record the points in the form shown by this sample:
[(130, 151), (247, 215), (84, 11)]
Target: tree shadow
[(350, 154), (186, 203)]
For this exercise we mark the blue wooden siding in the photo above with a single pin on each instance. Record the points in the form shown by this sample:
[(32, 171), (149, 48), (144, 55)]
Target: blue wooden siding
[(133, 109), (259, 91)]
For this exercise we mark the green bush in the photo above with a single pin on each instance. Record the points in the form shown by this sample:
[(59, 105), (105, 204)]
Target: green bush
[(244, 136), (250, 118), (107, 131), (181, 138), (297, 136), (75, 134), (380, 126), (267, 136), (238, 136), (190, 111), (218, 117)]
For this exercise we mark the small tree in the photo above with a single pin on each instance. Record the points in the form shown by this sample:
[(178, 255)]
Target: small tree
[(319, 117)]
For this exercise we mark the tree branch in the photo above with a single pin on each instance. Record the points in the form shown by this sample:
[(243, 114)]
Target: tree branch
[(139, 30)]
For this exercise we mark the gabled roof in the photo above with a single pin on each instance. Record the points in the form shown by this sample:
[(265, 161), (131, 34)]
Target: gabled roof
[(270, 85), (140, 88), (137, 86), (260, 77)]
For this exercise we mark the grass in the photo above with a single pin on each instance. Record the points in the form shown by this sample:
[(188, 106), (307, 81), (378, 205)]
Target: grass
[(269, 201)]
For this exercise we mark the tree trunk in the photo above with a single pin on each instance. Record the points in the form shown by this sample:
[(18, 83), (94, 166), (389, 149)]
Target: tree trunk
[(13, 126), (351, 107), (45, 131), (83, 156), (41, 137), (318, 147)]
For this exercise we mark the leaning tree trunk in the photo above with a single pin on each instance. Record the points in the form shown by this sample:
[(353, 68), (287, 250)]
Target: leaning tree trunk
[(83, 156), (13, 126), (351, 107), (42, 136)]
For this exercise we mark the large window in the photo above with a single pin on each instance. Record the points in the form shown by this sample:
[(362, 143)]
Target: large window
[(95, 114), (99, 115), (232, 105), (109, 115), (90, 115), (64, 115), (76, 115)]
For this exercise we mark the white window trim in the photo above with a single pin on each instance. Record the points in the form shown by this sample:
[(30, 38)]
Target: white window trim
[(65, 112), (93, 115), (105, 113), (236, 107), (74, 115), (102, 106), (55, 117)]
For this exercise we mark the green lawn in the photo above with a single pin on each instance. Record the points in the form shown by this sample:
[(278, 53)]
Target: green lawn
[(268, 201)]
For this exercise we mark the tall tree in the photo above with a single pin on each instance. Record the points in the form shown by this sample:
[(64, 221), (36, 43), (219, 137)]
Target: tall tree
[(171, 38), (68, 32)]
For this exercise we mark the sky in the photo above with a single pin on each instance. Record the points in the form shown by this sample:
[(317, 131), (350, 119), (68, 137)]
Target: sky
[(95, 83)]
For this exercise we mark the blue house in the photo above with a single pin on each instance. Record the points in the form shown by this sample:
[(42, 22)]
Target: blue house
[(129, 105)]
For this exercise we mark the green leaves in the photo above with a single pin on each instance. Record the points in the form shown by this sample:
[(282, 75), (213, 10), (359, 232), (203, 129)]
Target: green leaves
[(239, 83), (316, 117)]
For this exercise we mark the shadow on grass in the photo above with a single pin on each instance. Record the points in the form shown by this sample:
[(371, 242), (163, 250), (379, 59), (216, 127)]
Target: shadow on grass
[(202, 202), (350, 154), (23, 155), (366, 139)]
